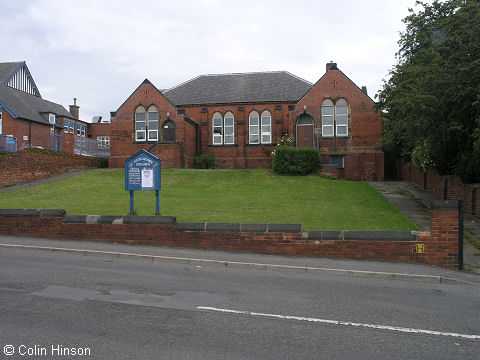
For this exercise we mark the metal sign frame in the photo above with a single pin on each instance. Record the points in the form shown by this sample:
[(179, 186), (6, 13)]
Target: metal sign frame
[(143, 172)]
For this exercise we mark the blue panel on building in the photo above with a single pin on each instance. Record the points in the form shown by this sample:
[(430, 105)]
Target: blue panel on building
[(142, 172)]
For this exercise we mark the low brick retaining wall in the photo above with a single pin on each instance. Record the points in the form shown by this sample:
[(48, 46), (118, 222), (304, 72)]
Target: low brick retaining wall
[(440, 246)]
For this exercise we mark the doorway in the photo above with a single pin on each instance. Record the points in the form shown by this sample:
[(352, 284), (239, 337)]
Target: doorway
[(304, 131)]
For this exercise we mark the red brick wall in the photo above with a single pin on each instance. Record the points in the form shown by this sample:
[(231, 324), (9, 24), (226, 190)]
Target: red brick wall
[(122, 138), (241, 154), (99, 129), (440, 245), (32, 164), (37, 134), (362, 148), (448, 187)]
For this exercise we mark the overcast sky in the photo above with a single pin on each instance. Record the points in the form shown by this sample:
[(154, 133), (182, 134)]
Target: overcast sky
[(99, 51)]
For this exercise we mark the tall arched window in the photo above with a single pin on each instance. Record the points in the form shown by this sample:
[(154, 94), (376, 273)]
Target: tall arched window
[(140, 124), (266, 122), (334, 118), (341, 117), (223, 129), (327, 118), (254, 126), (152, 124), (217, 129), (229, 127)]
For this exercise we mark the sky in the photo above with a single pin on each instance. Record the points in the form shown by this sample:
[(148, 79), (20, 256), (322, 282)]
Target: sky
[(99, 51)]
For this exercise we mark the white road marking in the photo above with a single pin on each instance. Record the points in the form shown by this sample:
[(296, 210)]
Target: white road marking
[(344, 323)]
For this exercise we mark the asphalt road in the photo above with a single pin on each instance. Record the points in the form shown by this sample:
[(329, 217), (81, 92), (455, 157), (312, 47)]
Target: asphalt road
[(125, 309)]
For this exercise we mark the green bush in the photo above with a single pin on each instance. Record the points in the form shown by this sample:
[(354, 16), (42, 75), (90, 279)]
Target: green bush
[(205, 161), (295, 161)]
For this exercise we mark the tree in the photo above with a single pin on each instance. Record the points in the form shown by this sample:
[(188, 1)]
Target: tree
[(431, 101)]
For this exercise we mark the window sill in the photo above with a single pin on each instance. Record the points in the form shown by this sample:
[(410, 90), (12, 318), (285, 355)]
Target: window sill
[(223, 145), (335, 137), (270, 144), (154, 142), (332, 166)]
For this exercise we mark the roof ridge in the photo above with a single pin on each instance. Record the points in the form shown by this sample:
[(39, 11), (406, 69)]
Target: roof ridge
[(248, 73), (12, 62)]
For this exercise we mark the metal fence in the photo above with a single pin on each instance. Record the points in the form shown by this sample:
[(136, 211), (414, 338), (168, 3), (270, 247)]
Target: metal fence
[(56, 142), (8, 143), (89, 147)]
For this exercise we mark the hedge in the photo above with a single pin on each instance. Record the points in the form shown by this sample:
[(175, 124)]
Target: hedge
[(295, 161), (205, 161)]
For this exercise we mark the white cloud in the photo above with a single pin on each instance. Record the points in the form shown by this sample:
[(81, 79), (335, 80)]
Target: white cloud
[(100, 51)]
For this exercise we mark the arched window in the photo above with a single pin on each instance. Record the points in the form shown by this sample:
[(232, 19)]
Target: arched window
[(140, 124), (217, 129), (327, 118), (334, 118), (223, 129), (254, 126), (266, 127), (341, 117), (229, 127), (152, 124), (169, 131)]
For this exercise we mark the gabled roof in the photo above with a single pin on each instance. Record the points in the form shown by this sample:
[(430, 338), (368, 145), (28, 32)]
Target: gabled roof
[(16, 75), (256, 87), (146, 81), (21, 104), (335, 68)]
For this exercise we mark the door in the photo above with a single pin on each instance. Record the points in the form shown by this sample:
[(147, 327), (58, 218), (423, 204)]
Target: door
[(305, 132), (169, 131)]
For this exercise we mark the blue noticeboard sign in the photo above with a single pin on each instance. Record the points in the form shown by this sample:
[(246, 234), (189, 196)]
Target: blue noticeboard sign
[(143, 172)]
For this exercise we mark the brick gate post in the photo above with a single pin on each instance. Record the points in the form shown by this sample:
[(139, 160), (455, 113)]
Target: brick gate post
[(445, 232)]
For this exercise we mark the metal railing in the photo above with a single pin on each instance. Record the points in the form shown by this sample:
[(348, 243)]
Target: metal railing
[(89, 147), (8, 143)]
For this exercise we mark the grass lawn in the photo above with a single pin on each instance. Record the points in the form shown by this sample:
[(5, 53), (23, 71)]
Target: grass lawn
[(256, 196)]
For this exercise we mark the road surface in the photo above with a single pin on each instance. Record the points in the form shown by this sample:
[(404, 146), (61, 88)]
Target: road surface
[(52, 305)]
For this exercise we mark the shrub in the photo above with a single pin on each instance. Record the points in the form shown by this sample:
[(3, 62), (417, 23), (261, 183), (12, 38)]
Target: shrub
[(205, 161), (295, 161)]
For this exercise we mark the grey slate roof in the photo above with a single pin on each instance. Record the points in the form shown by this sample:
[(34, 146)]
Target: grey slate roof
[(7, 70), (239, 88), (24, 105)]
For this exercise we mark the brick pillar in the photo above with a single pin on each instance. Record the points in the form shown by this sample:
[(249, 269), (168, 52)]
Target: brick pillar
[(444, 228)]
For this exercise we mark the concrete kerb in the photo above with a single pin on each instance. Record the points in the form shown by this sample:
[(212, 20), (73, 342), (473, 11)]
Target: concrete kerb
[(246, 265)]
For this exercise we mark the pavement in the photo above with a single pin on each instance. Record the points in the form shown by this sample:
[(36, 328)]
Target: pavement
[(413, 202), (232, 260), (408, 198)]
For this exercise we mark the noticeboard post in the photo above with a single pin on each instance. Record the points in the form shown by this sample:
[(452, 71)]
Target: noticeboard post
[(143, 172)]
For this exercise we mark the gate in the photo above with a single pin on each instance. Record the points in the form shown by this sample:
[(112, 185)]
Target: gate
[(56, 142)]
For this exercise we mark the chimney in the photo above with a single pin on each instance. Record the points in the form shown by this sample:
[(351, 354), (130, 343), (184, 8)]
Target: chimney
[(331, 66), (75, 109), (364, 89)]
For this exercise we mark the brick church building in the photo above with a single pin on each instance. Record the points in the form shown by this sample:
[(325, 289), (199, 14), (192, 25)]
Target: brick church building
[(240, 117)]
